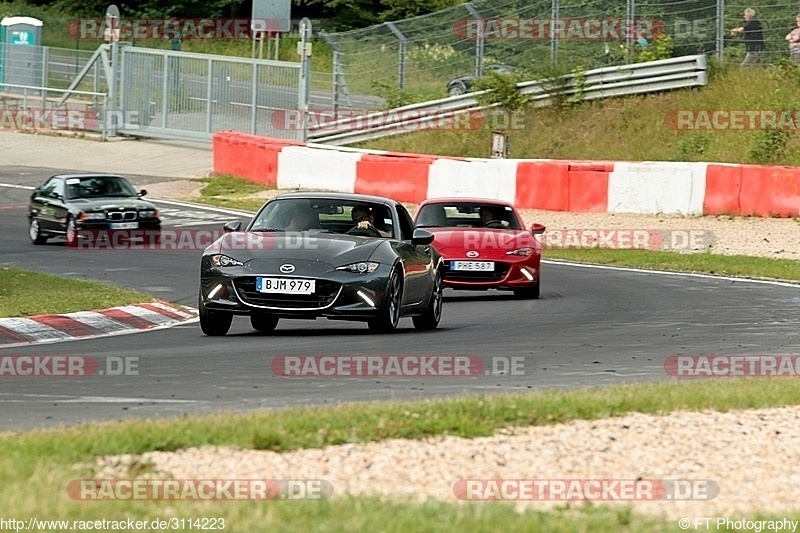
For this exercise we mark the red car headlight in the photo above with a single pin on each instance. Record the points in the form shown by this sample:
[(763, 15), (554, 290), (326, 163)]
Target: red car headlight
[(525, 251)]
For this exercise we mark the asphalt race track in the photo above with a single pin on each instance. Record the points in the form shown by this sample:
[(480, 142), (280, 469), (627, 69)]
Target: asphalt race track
[(591, 327)]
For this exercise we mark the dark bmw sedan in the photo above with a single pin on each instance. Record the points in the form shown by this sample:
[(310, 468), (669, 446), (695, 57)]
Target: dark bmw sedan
[(311, 255), (77, 206)]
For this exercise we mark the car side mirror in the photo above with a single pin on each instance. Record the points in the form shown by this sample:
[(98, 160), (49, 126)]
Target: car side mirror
[(537, 229), (421, 237), (232, 226), (143, 192), (36, 190), (58, 196)]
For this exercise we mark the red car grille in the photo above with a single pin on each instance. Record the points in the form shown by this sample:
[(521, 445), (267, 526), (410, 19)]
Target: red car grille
[(500, 271)]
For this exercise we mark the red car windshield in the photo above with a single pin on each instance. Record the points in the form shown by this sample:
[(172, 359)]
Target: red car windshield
[(467, 215)]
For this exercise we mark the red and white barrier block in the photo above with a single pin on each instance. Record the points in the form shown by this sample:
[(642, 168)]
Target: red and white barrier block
[(578, 186)]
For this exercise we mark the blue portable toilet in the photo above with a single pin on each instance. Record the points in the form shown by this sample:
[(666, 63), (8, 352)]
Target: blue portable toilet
[(20, 51)]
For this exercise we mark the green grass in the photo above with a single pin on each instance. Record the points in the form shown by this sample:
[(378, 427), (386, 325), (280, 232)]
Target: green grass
[(37, 466), (634, 128), (724, 265), (226, 185), (231, 192), (54, 294)]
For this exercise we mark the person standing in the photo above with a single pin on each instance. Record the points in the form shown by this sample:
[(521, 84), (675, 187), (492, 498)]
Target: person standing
[(793, 38), (753, 36)]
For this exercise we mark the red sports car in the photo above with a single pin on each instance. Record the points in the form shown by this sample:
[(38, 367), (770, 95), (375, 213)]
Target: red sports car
[(484, 244)]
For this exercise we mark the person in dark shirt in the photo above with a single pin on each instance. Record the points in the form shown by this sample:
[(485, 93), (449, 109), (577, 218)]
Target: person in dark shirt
[(753, 36)]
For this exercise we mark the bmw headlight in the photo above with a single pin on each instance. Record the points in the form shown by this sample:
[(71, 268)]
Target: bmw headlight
[(148, 213), (219, 260), (363, 267), (521, 251), (92, 216)]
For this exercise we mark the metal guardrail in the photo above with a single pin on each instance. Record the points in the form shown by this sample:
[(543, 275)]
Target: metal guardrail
[(34, 107), (637, 78)]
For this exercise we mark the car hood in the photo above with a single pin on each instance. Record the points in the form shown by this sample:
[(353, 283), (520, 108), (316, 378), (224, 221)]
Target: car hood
[(490, 243), (100, 204), (264, 250)]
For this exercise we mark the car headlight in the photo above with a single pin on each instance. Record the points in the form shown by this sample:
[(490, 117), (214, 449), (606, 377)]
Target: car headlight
[(521, 251), (148, 213), (363, 267), (219, 260), (92, 216)]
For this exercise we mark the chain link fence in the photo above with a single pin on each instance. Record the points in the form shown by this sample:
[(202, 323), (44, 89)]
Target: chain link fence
[(417, 58)]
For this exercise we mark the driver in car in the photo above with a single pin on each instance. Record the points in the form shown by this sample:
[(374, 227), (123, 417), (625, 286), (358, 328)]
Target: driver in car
[(364, 219), (489, 218)]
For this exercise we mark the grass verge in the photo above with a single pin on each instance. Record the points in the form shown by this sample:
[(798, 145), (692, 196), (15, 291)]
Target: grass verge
[(231, 192), (702, 262), (637, 128), (54, 294), (39, 465)]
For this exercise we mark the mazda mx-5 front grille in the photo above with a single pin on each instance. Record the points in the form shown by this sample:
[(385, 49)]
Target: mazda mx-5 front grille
[(324, 295)]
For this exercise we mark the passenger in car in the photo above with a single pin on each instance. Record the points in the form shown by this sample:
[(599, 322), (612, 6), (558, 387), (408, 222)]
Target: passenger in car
[(303, 220)]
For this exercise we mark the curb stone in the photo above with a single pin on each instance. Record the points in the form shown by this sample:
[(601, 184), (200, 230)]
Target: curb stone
[(23, 331)]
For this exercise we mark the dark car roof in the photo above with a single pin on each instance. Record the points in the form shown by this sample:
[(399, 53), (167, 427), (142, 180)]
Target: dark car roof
[(87, 175), (338, 196), (466, 200)]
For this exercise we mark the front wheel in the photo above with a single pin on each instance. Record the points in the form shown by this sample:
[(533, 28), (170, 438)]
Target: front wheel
[(457, 89), (35, 232), (433, 313), (214, 323), (529, 294), (263, 322), (389, 315)]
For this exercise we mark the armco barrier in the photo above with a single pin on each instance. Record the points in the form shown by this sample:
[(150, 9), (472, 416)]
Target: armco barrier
[(580, 186)]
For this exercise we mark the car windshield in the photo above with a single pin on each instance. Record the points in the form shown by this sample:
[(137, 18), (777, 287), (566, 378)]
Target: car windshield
[(467, 215), (367, 219), (98, 186)]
